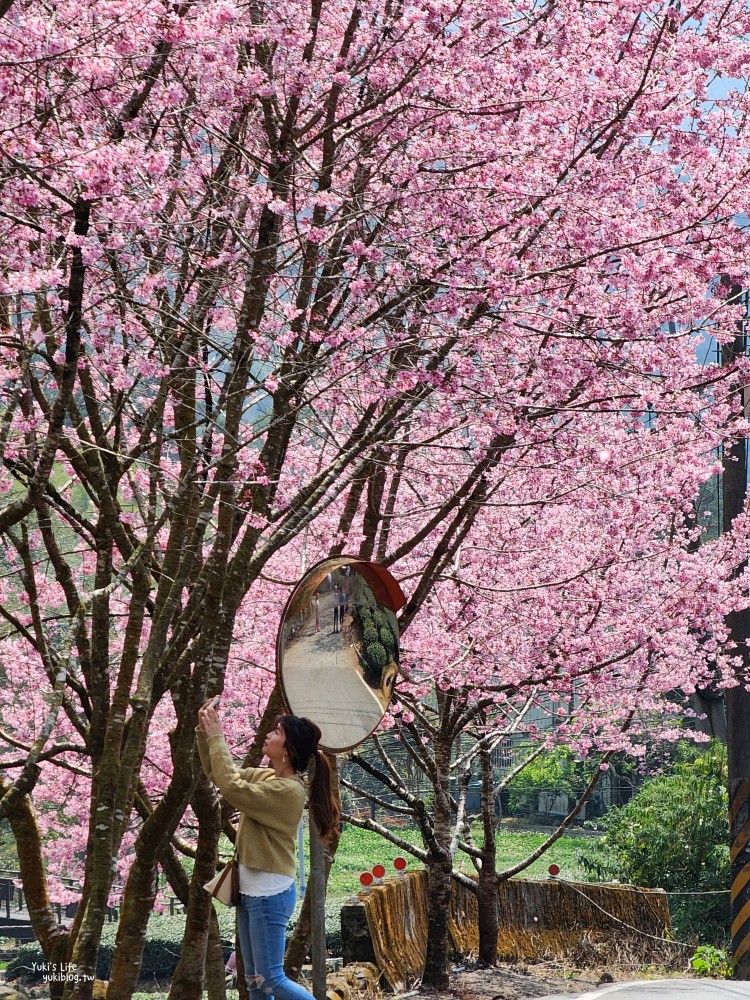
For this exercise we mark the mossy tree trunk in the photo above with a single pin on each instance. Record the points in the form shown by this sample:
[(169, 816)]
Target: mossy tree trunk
[(117, 747), (216, 984), (734, 504), (51, 936), (241, 981), (142, 883), (187, 981)]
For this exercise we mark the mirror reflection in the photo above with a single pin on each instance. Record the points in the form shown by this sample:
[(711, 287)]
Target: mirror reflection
[(337, 650)]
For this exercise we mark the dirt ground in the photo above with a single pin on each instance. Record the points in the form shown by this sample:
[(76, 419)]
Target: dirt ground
[(517, 981)]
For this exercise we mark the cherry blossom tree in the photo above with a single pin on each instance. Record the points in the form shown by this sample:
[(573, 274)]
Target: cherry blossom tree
[(428, 283), (443, 738)]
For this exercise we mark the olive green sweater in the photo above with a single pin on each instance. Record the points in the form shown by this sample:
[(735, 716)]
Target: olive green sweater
[(270, 807)]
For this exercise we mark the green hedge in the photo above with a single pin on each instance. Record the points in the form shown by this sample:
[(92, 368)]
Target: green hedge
[(162, 950), (160, 954)]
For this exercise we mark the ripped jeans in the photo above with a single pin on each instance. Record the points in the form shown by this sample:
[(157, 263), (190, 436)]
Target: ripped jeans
[(261, 928)]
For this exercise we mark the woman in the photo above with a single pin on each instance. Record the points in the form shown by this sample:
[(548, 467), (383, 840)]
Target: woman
[(270, 801)]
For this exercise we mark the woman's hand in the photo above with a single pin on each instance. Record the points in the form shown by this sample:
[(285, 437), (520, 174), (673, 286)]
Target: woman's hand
[(208, 718)]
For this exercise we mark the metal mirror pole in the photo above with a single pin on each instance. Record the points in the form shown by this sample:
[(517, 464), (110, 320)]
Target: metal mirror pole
[(317, 890)]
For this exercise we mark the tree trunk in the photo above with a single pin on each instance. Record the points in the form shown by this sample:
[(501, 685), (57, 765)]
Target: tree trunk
[(299, 944), (187, 981), (489, 918), (487, 902), (439, 874), (137, 904), (216, 984), (710, 706), (241, 981), (112, 795), (51, 936), (102, 848), (439, 870), (141, 886)]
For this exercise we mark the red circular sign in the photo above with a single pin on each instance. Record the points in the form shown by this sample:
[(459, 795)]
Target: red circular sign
[(554, 870), (399, 864), (365, 878), (378, 871)]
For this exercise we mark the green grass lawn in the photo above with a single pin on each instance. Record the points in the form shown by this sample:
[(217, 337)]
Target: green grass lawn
[(516, 845), (359, 850)]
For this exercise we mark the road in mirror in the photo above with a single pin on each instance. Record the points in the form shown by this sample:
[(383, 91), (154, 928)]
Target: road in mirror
[(337, 653)]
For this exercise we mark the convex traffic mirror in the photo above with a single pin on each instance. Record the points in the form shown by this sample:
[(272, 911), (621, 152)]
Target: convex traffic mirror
[(337, 651)]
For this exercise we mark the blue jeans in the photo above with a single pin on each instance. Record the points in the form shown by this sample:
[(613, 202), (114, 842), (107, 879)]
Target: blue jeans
[(261, 928)]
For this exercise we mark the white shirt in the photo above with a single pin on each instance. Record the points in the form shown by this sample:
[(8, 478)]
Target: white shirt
[(254, 882)]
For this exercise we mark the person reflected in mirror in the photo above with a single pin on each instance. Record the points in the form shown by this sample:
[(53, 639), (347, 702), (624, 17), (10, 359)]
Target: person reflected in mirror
[(270, 801), (338, 608)]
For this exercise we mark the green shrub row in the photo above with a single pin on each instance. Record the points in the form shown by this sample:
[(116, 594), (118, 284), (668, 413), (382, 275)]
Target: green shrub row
[(162, 950), (379, 641), (160, 954), (364, 614)]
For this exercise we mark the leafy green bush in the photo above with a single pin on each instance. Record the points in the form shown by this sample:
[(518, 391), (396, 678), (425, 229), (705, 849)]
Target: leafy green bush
[(554, 771), (674, 835), (369, 634), (27, 964), (713, 962), (387, 639), (376, 654)]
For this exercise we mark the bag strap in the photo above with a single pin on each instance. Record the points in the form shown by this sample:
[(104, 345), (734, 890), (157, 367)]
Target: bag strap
[(226, 870)]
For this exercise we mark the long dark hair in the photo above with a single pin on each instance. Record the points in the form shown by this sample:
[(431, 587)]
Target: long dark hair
[(302, 737)]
